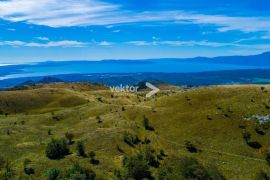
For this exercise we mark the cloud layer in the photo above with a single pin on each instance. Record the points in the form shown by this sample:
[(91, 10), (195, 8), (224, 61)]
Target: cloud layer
[(64, 43), (59, 13)]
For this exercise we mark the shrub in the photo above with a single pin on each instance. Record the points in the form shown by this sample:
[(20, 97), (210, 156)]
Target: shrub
[(191, 169), (209, 118), (262, 176), (76, 172), (80, 149), (162, 153), (254, 144), (259, 131), (136, 167), (131, 139), (150, 156), (100, 99), (191, 147), (214, 173), (8, 131), (119, 149), (92, 156), (52, 174), (147, 125), (7, 172), (166, 172), (242, 125), (98, 118), (69, 137), (2, 162), (187, 168), (267, 158), (246, 136), (57, 149), (117, 174), (146, 141), (27, 168), (49, 132)]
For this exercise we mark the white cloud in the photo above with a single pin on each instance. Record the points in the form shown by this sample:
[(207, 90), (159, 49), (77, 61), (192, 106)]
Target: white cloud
[(181, 43), (155, 38), (59, 13), (104, 43), (56, 13), (12, 43), (43, 38), (116, 31), (68, 43), (266, 36), (11, 29), (109, 26), (199, 43), (64, 43)]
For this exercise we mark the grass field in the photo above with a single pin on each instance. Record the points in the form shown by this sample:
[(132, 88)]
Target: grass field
[(212, 118)]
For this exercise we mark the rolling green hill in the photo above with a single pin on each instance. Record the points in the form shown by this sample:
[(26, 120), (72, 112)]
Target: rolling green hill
[(205, 123)]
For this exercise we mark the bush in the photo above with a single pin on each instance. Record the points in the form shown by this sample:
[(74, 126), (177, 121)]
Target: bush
[(7, 173), (166, 172), (259, 131), (57, 149), (246, 136), (242, 125), (267, 158), (187, 168), (69, 137), (76, 172), (80, 149), (92, 156), (214, 173), (147, 125), (49, 132), (119, 149), (136, 167), (131, 139), (27, 168), (191, 169), (262, 176), (254, 144), (146, 141), (98, 118), (52, 174), (2, 162), (150, 156), (191, 147)]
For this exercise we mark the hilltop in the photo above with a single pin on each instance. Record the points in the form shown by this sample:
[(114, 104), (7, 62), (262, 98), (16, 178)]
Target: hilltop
[(219, 126)]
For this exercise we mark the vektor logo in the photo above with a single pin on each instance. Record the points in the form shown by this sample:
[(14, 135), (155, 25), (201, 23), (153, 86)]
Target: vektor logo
[(134, 89), (154, 89)]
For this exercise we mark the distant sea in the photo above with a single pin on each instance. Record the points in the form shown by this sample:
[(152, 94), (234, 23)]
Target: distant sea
[(115, 66), (191, 71)]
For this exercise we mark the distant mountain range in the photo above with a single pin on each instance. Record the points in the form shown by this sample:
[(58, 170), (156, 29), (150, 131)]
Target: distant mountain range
[(260, 60), (191, 71)]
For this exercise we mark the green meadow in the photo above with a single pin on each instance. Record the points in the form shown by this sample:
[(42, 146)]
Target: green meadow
[(210, 132)]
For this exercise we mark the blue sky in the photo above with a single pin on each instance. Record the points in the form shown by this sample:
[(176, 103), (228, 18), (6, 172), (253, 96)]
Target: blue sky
[(42, 30)]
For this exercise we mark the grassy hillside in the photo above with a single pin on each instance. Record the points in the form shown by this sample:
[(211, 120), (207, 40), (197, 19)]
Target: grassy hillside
[(210, 119)]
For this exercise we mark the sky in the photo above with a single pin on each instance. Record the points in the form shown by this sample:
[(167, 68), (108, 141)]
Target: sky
[(58, 30)]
